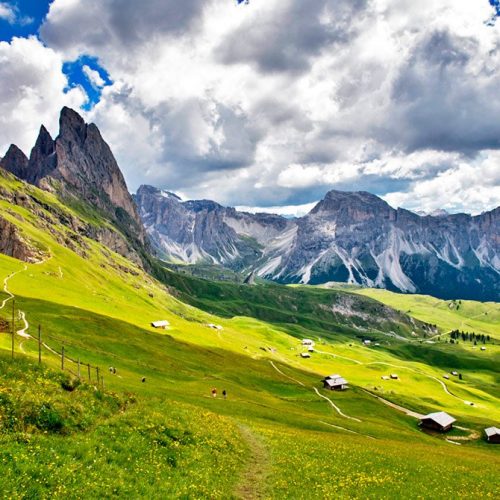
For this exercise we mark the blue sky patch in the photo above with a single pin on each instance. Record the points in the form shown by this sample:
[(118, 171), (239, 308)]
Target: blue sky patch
[(21, 18), (496, 7), (87, 73)]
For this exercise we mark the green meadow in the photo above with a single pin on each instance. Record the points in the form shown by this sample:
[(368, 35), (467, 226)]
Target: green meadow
[(153, 429)]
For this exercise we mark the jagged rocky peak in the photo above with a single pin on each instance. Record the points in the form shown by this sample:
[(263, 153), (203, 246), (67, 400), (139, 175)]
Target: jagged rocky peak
[(201, 205), (42, 158), (44, 145), (15, 162), (147, 190), (72, 126), (79, 164), (357, 206)]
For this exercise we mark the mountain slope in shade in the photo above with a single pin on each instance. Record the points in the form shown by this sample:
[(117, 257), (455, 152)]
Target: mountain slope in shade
[(78, 165), (348, 237), (204, 231)]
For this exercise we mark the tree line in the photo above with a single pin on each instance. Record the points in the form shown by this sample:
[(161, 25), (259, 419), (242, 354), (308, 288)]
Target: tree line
[(469, 336)]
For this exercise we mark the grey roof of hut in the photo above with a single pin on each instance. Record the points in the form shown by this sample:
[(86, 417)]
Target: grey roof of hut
[(332, 382), (159, 324), (440, 417), (492, 431)]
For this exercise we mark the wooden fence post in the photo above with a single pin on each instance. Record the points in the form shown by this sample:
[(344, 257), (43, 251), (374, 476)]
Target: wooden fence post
[(88, 366), (62, 357), (39, 344), (97, 372)]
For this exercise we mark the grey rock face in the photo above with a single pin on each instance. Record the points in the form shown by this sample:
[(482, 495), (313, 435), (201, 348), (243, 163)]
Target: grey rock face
[(80, 166), (204, 231), (14, 244), (347, 237), (15, 161)]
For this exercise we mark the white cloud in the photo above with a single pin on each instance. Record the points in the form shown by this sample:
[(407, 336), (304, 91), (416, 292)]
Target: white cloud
[(10, 13), (93, 76), (7, 13), (470, 187), (285, 210), (32, 91), (277, 102)]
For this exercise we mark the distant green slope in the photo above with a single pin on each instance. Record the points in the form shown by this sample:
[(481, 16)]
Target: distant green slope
[(468, 315), (328, 312)]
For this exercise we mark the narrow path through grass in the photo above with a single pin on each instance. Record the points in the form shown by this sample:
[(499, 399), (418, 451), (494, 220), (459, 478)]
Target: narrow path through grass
[(338, 410), (285, 375), (252, 484)]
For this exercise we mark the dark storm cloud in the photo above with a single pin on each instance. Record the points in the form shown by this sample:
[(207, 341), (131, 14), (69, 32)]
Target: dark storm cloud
[(443, 101), (94, 24), (275, 112), (290, 36), (201, 137)]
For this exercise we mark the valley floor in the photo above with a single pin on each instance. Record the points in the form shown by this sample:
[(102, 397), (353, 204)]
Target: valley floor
[(154, 430)]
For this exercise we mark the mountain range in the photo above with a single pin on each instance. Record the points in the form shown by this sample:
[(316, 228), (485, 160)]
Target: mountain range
[(352, 237)]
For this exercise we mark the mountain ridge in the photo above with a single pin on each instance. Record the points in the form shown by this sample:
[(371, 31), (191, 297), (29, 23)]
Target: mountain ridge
[(352, 237), (79, 166)]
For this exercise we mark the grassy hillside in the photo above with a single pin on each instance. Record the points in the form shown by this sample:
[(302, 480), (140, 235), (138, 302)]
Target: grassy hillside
[(468, 315), (328, 312), (71, 440), (278, 433)]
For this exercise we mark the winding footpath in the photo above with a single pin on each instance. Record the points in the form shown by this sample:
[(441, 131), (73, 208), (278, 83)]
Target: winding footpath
[(334, 406), (252, 484), (22, 315), (337, 409), (23, 332), (285, 375), (6, 287)]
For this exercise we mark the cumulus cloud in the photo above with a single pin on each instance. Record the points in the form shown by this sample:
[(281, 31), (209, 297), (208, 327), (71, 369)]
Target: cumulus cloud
[(93, 77), (469, 187), (118, 26), (32, 91), (10, 13), (288, 35), (277, 102), (7, 13)]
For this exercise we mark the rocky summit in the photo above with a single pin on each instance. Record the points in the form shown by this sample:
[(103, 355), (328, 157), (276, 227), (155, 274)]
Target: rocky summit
[(348, 237), (80, 166)]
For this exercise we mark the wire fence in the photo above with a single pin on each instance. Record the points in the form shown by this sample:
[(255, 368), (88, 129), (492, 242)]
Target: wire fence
[(76, 366)]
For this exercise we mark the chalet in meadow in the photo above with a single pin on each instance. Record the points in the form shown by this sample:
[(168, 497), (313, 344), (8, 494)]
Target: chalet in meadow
[(160, 324), (335, 383), (438, 421), (492, 435)]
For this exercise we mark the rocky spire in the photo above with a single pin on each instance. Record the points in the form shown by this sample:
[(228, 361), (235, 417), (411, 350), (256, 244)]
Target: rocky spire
[(42, 158), (15, 162), (79, 164)]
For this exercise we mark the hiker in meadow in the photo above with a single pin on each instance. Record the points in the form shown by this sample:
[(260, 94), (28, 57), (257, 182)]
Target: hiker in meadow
[(214, 392), (224, 393)]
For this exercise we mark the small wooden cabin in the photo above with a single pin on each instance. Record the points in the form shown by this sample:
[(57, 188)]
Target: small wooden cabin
[(492, 435), (438, 421), (335, 383), (160, 324)]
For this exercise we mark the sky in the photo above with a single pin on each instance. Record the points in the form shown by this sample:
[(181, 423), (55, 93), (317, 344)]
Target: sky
[(269, 104)]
